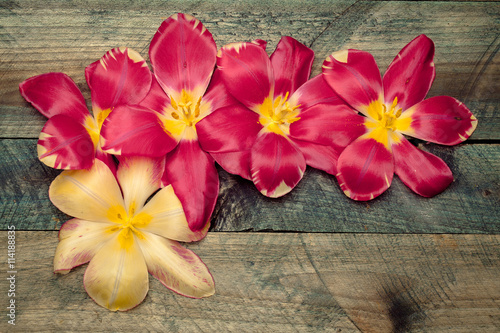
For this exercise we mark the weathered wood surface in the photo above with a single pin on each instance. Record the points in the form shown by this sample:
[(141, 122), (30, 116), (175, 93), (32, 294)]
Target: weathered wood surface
[(274, 282), (39, 36), (396, 264), (469, 205)]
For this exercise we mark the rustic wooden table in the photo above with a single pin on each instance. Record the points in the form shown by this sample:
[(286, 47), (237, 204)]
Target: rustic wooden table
[(312, 261)]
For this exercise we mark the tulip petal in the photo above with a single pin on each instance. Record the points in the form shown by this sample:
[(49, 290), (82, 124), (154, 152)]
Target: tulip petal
[(192, 173), (121, 77), (319, 156), (117, 277), (365, 169), (168, 218), (292, 62), (277, 165), (247, 72), (441, 119), (134, 130), (156, 99), (217, 94), (139, 177), (176, 267), (106, 159), (315, 91), (92, 195), (64, 143), (53, 94), (89, 71), (235, 162), (183, 54), (411, 73), (355, 77), (229, 129), (332, 125), (79, 241), (424, 173)]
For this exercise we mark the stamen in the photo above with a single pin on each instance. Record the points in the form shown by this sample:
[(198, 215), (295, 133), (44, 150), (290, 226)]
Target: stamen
[(174, 105), (398, 113), (394, 103), (277, 102), (174, 115), (197, 108)]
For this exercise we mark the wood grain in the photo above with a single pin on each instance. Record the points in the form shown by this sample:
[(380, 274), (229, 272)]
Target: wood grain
[(36, 37), (285, 283), (469, 205)]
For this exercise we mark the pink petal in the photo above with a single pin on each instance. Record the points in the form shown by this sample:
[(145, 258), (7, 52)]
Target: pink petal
[(261, 43), (121, 77), (315, 91), (64, 143), (89, 71), (135, 131), (235, 162), (277, 165), (365, 169), (440, 119), (229, 129), (424, 173), (292, 62), (53, 94), (247, 72), (195, 180), (319, 156), (411, 73), (332, 125), (354, 76), (217, 94), (156, 99), (182, 54)]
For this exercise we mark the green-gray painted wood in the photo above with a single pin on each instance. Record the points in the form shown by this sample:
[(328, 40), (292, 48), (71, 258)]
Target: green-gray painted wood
[(469, 205)]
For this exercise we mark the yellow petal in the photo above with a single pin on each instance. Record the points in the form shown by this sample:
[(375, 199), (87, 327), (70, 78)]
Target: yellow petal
[(79, 241), (86, 194), (139, 177), (178, 268), (117, 278), (168, 219)]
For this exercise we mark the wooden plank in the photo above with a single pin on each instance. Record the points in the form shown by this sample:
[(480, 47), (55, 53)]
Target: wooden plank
[(469, 205), (36, 38), (274, 282)]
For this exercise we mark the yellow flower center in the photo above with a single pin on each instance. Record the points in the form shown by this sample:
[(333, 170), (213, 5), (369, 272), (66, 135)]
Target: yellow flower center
[(128, 224), (180, 117), (382, 122), (277, 115)]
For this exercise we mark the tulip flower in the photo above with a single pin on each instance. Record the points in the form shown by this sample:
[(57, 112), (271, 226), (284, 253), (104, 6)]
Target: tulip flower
[(182, 55), (393, 107), (124, 237), (70, 138), (282, 122)]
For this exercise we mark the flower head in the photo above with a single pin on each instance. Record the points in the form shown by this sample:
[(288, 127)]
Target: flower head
[(393, 107), (282, 122), (71, 137), (124, 237), (183, 55)]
